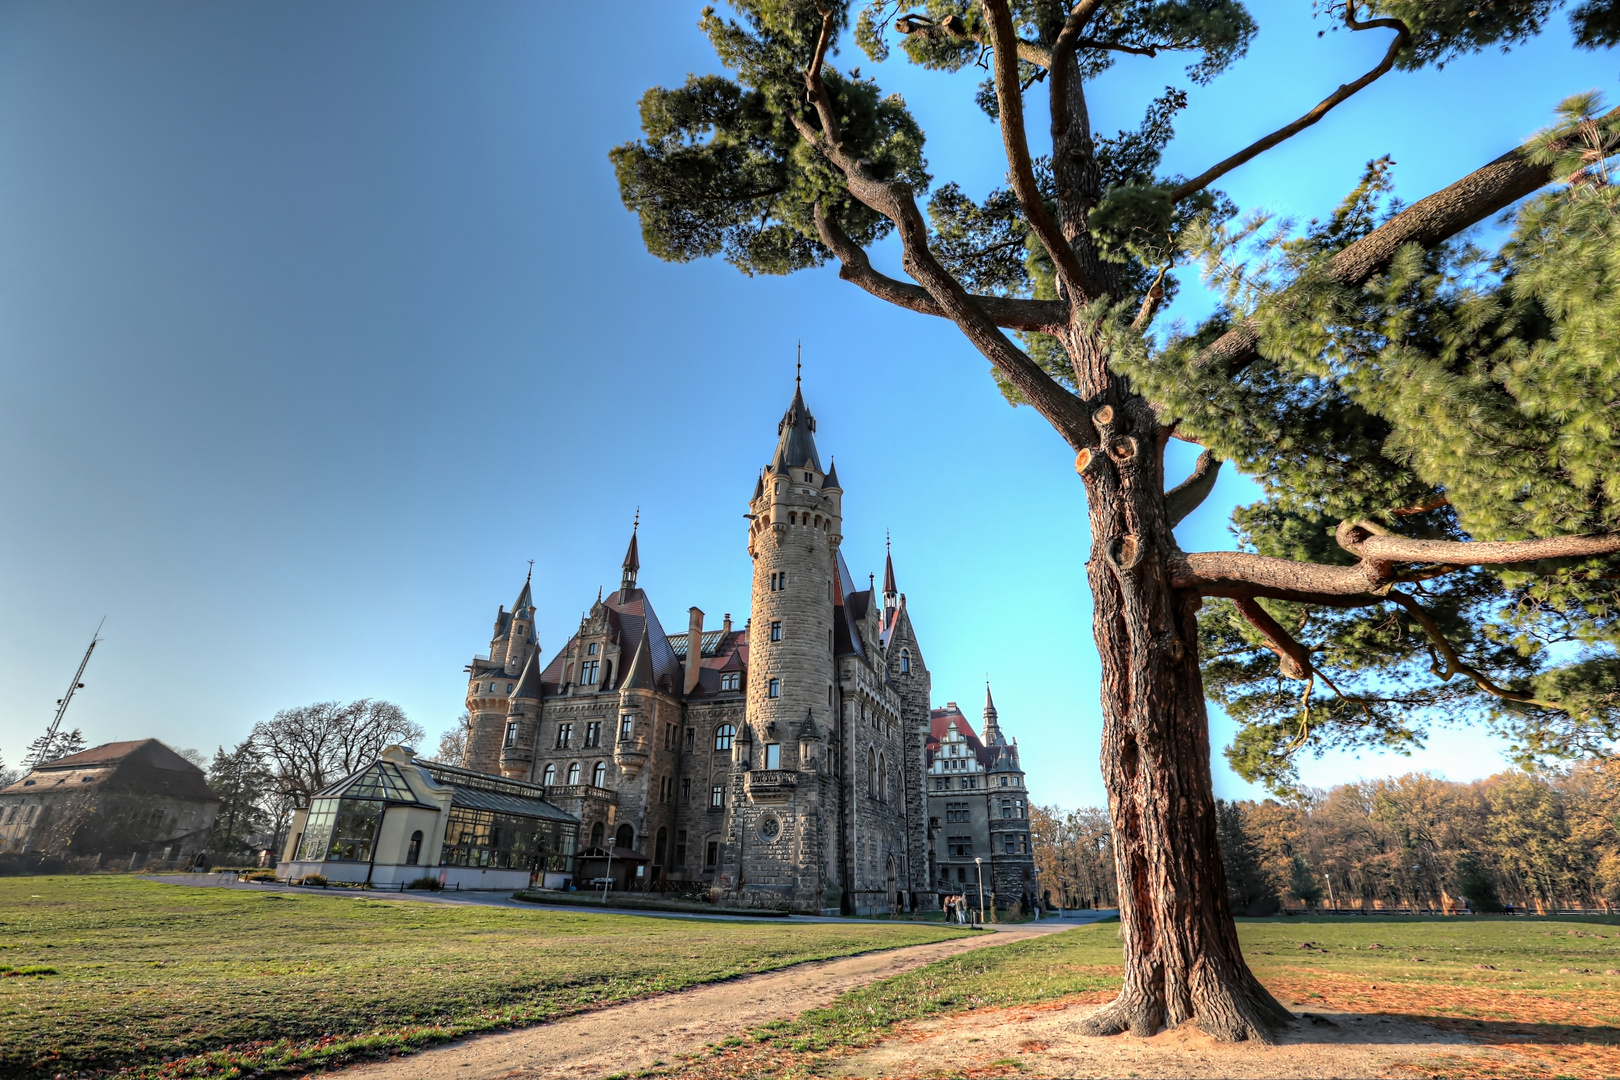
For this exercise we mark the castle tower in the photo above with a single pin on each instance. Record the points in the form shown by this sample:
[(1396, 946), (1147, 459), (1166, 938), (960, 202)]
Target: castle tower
[(491, 682), (795, 527), (992, 730)]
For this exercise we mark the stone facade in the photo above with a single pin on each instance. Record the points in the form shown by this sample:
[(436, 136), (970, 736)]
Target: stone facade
[(781, 764), (978, 811)]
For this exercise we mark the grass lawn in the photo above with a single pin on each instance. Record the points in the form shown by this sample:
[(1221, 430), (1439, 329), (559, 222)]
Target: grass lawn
[(130, 972), (1548, 988)]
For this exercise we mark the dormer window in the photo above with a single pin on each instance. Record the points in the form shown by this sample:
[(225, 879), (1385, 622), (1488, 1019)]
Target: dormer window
[(588, 671), (808, 478), (731, 680), (590, 650)]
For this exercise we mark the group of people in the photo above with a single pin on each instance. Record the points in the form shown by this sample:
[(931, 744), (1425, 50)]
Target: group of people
[(957, 910)]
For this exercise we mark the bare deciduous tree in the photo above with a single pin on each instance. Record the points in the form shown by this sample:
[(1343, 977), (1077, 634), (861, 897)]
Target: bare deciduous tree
[(314, 745)]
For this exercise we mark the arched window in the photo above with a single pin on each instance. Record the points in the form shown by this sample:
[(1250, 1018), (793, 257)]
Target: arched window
[(596, 835), (905, 661), (775, 689), (599, 774), (660, 846), (551, 775), (871, 773), (723, 736), (573, 772), (414, 856), (883, 779), (625, 837)]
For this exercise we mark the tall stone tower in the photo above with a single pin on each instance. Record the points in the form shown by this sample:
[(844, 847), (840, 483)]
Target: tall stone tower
[(492, 683), (795, 527)]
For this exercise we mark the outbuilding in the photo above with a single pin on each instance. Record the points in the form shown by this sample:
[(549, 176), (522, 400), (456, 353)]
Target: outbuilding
[(399, 820)]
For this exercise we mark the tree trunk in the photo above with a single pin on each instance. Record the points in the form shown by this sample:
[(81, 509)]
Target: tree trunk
[(1182, 959)]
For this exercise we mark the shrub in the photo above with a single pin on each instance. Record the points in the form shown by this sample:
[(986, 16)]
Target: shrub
[(313, 879), (28, 969), (258, 875), (431, 884)]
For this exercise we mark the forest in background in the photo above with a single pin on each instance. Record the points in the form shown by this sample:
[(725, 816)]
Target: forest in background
[(1540, 841)]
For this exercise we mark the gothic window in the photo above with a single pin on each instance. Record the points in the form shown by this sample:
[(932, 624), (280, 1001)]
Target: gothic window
[(775, 688), (776, 630), (883, 779), (596, 835), (599, 774), (625, 837), (593, 733), (723, 736), (565, 735), (773, 755), (871, 773), (731, 680), (590, 650), (905, 661), (573, 772), (551, 775), (511, 734)]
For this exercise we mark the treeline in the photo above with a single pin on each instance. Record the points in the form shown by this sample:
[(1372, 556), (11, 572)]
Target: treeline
[(1543, 841), (1074, 852)]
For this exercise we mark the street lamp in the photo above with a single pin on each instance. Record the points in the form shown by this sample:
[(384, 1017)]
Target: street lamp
[(979, 865)]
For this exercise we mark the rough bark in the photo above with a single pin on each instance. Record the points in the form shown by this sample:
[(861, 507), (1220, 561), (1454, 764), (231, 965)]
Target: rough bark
[(1182, 958)]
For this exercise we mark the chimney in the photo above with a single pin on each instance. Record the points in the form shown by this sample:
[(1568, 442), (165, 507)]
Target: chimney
[(694, 649), (726, 626)]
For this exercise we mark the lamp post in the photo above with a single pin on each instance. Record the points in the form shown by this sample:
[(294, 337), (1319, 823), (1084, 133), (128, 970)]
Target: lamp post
[(979, 866), (607, 879)]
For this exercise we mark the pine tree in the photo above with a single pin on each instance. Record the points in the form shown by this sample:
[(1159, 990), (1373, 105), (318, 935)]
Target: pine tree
[(243, 783), (1433, 425), (53, 746)]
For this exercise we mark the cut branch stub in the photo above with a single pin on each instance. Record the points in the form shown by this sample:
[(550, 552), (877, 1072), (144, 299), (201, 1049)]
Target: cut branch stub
[(1125, 552), (1123, 450), (1082, 461)]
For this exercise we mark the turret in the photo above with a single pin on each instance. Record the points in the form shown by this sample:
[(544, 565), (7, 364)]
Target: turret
[(636, 700), (632, 562), (891, 595), (992, 730)]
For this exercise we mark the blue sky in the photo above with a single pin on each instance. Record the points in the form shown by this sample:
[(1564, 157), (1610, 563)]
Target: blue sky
[(317, 322)]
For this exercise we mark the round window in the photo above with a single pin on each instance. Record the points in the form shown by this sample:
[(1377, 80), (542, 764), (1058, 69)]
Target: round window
[(770, 828)]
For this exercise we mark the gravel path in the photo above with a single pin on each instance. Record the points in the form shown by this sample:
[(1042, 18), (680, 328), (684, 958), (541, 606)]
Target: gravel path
[(634, 1035)]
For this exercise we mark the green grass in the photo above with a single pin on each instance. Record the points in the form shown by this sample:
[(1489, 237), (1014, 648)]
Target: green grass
[(146, 972), (1425, 965)]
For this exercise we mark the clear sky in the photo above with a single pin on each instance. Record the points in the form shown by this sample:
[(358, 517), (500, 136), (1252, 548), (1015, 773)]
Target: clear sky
[(318, 321)]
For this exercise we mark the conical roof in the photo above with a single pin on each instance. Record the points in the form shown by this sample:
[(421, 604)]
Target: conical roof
[(807, 729), (832, 477), (641, 668), (632, 554), (528, 685), (888, 574), (524, 604), (992, 729), (796, 443)]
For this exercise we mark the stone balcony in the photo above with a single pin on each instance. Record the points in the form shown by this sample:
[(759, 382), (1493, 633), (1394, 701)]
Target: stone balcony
[(580, 791), (770, 785)]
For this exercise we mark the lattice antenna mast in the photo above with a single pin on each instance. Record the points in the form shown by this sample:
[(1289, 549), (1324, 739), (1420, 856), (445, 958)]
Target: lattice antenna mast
[(66, 699)]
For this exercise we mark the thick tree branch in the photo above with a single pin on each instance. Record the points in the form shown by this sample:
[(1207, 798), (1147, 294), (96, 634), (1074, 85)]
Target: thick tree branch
[(1188, 495), (1288, 131), (1294, 657), (952, 26), (1371, 544), (1444, 663), (1239, 574), (1044, 316), (1427, 222), (1073, 283), (895, 200)]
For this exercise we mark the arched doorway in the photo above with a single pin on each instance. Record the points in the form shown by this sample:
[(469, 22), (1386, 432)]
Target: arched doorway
[(660, 848), (597, 831), (625, 837), (414, 855)]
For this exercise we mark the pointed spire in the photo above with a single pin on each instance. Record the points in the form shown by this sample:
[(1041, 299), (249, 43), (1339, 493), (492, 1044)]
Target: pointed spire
[(807, 729), (796, 444), (641, 669), (832, 477), (528, 685), (759, 487), (889, 590), (992, 729), (632, 559), (523, 606)]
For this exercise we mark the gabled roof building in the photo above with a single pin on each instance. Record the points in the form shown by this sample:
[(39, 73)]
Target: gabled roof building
[(781, 763)]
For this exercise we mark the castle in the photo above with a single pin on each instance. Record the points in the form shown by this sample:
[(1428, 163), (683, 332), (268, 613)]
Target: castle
[(784, 764)]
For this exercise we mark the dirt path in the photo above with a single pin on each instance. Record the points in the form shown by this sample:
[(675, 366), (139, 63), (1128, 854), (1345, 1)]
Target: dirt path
[(1044, 1042), (634, 1035)]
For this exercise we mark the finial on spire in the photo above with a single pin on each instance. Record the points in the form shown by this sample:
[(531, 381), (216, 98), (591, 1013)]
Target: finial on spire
[(531, 573), (637, 523), (798, 367)]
